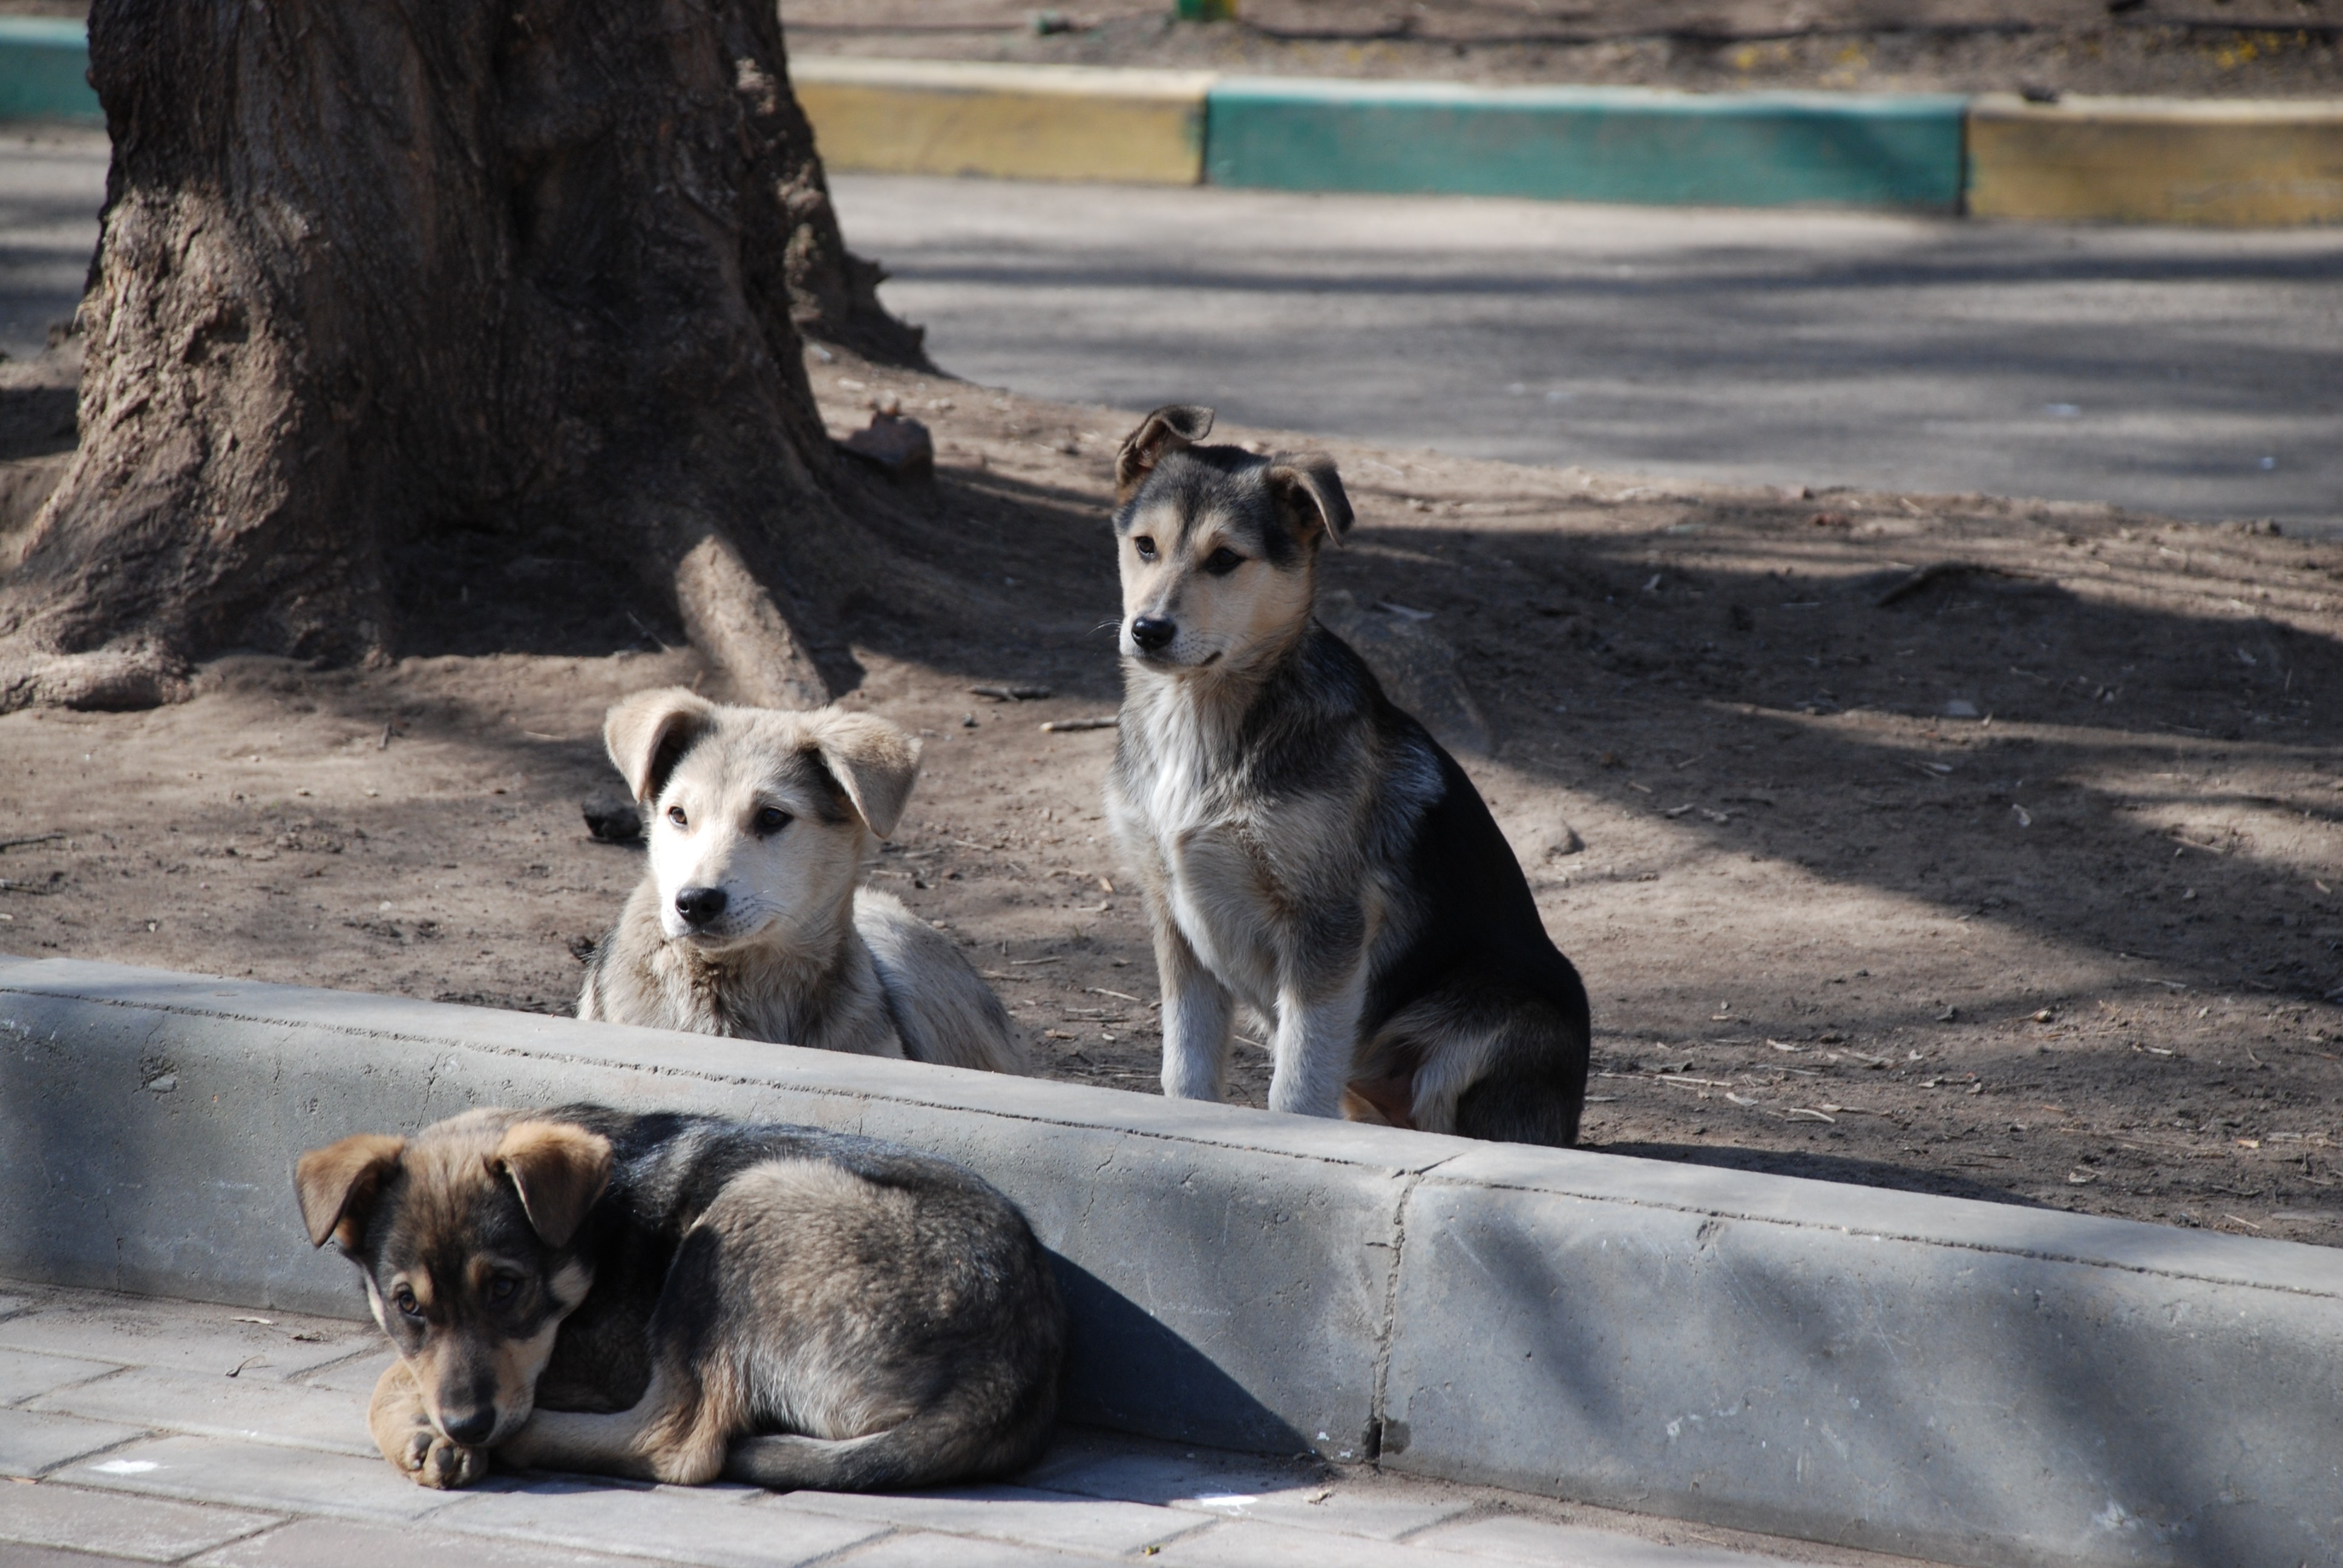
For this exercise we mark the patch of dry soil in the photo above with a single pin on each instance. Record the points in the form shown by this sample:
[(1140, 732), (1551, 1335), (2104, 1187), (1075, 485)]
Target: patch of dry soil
[(2191, 49), (1947, 843)]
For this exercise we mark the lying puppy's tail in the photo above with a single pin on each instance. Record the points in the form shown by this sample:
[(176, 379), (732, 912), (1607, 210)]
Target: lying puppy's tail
[(931, 1449), (941, 1007)]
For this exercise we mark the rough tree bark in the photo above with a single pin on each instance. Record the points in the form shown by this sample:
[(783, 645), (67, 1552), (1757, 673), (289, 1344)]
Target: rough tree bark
[(373, 272)]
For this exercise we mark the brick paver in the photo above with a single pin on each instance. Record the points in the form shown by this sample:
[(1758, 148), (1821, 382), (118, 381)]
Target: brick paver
[(176, 1433)]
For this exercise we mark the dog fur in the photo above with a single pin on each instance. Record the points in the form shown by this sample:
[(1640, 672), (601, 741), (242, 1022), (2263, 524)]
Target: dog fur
[(1307, 851), (679, 1297), (748, 921)]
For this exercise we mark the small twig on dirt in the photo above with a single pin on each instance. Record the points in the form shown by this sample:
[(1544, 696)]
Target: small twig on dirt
[(1061, 726), (648, 635), (1125, 996), (1802, 1111), (31, 838), (8, 887), (1016, 961), (238, 1370), (1011, 693)]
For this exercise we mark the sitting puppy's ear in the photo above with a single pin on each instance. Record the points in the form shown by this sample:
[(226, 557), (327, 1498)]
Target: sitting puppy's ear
[(559, 1170), (1307, 487), (875, 762), (649, 732), (1169, 428), (337, 1185)]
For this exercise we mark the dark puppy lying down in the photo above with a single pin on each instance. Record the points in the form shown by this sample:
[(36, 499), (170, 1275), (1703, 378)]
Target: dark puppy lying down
[(679, 1297)]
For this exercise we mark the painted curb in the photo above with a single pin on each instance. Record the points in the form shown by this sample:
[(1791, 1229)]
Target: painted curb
[(1010, 121), (1957, 1381), (2124, 160), (44, 70), (1587, 144), (2142, 160)]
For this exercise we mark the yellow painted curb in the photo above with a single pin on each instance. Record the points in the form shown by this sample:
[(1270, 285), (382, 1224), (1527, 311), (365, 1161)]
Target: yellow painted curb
[(1011, 122), (2152, 160)]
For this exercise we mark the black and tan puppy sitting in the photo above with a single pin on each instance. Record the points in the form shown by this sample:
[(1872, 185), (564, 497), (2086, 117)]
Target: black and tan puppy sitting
[(1307, 851), (679, 1297)]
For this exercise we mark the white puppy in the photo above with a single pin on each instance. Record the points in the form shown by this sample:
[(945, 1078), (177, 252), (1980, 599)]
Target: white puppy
[(750, 921)]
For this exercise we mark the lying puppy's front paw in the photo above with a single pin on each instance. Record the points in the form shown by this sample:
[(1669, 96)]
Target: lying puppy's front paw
[(434, 1462)]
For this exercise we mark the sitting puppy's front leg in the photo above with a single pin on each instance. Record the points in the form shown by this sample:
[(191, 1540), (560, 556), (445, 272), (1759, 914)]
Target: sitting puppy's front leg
[(402, 1429), (1198, 1014), (1316, 1041)]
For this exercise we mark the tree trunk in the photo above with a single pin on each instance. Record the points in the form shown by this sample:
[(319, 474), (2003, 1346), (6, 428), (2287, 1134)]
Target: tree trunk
[(378, 279)]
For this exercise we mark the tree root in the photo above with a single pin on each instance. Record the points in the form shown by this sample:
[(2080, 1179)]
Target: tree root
[(116, 679)]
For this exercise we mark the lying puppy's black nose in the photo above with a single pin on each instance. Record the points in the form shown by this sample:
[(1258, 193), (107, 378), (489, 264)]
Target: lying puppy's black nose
[(1153, 633), (699, 906), (470, 1429)]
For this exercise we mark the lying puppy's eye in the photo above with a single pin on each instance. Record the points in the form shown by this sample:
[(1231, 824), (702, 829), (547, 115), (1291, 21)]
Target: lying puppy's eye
[(675, 815), (1222, 561), (772, 820), (404, 1300), (502, 1290), (1145, 545)]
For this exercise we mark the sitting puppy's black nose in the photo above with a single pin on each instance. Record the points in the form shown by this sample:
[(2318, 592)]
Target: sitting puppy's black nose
[(699, 906), (470, 1429), (1153, 633)]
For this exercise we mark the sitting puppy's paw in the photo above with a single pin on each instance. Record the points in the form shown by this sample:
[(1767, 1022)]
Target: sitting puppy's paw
[(433, 1461)]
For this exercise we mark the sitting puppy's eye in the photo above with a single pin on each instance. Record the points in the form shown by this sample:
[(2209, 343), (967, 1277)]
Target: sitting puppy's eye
[(1222, 561), (675, 815), (501, 1290), (1145, 545), (404, 1300), (771, 819)]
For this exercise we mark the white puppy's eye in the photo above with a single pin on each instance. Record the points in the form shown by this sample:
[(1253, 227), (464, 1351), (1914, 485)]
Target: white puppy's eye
[(1145, 545), (675, 815), (771, 819)]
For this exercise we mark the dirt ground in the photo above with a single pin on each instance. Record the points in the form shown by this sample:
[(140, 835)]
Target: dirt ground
[(2021, 878), (2190, 48), (2198, 48)]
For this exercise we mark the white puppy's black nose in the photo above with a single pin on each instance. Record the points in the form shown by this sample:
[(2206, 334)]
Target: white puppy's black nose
[(1153, 633), (700, 906)]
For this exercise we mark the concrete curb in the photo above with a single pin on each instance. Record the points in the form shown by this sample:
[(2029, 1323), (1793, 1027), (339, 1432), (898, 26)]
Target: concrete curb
[(1011, 122), (2124, 160), (44, 70), (2144, 160), (1964, 1382), (1587, 144)]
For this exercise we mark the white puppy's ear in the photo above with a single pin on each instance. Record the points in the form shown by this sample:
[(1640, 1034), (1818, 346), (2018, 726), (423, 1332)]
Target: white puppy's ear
[(875, 762), (1168, 430), (649, 732)]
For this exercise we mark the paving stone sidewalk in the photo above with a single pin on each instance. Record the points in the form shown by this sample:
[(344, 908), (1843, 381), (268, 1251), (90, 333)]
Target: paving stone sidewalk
[(138, 1430)]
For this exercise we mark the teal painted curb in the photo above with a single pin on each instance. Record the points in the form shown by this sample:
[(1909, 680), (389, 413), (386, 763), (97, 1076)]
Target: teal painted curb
[(1587, 144), (44, 70)]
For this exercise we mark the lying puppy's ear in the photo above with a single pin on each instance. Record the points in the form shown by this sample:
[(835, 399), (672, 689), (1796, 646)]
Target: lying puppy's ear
[(875, 762), (1306, 484), (1168, 430), (559, 1169), (337, 1185), (648, 732)]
